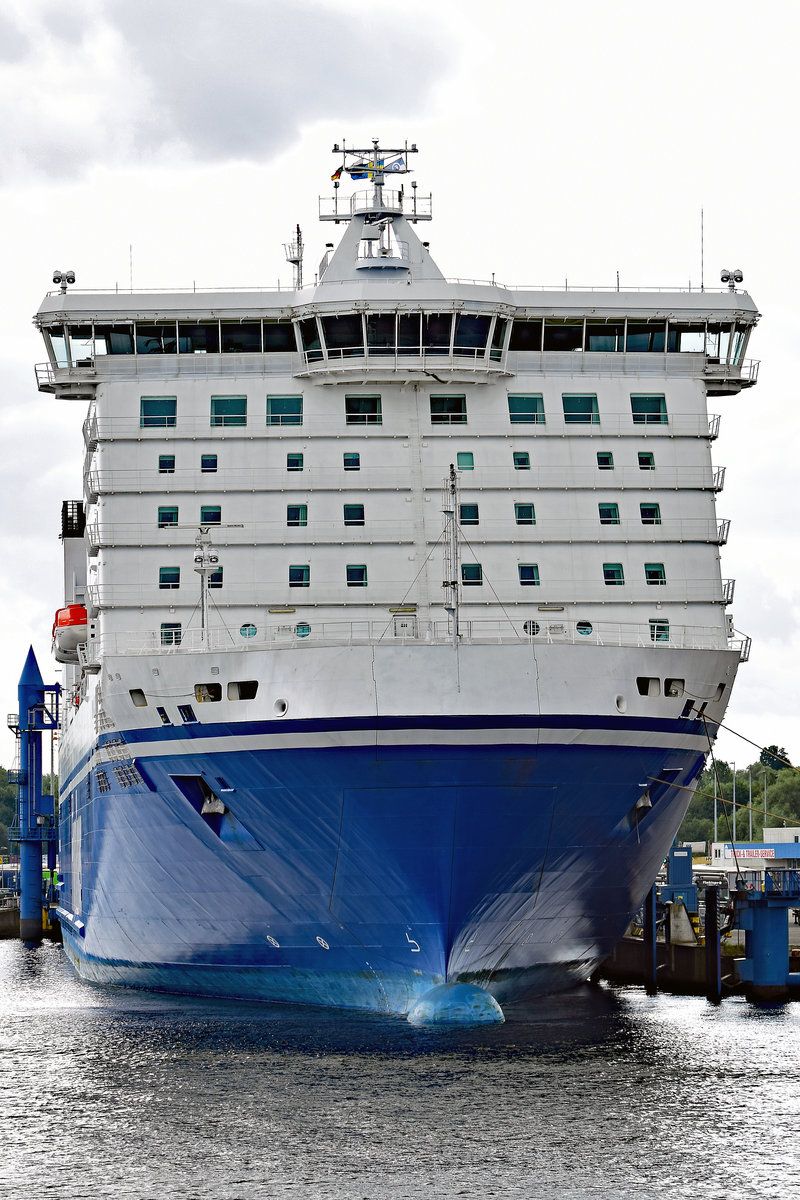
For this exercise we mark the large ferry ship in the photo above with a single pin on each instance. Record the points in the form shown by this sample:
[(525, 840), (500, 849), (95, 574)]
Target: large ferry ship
[(394, 629)]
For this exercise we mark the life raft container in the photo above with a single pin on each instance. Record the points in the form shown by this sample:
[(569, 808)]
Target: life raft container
[(70, 630)]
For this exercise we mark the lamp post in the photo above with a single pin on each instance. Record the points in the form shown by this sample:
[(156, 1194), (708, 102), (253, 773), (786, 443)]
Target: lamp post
[(733, 765)]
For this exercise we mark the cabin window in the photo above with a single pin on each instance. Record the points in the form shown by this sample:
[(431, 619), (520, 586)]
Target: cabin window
[(526, 335), (210, 514), (202, 338), (526, 410), (309, 336), (528, 574), (215, 578), (344, 336), (613, 574), (468, 514), (649, 410), (169, 577), (471, 334), (163, 715), (187, 714), (659, 629), (647, 460), (284, 410), (651, 514), (645, 337), (206, 693), (138, 698), (380, 333), (563, 334), (279, 337), (654, 573), (294, 462), (208, 463), (609, 514), (351, 460), (580, 410), (296, 514), (607, 337), (363, 410), (228, 410), (524, 514), (356, 574), (156, 339), (522, 460), (248, 630), (167, 515), (241, 337), (471, 574), (448, 410), (465, 460), (170, 633), (166, 464), (300, 575), (436, 328), (605, 460), (157, 411), (242, 689), (354, 514)]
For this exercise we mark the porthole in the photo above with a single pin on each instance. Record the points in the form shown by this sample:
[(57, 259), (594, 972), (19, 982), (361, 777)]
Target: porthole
[(280, 708), (621, 703), (248, 630), (302, 629), (584, 628), (531, 628)]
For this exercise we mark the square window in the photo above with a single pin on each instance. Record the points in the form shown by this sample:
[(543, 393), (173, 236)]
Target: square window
[(448, 410), (649, 410), (580, 410), (210, 514), (647, 461), (284, 410), (613, 574), (300, 576), (167, 515), (356, 575), (529, 574), (363, 410), (524, 514), (170, 633), (294, 462), (296, 514), (208, 463), (187, 714), (354, 514), (471, 574), (465, 460), (241, 337), (659, 630), (654, 573), (351, 461), (166, 464), (605, 460), (228, 410), (157, 411), (609, 514), (526, 410), (651, 514), (522, 460), (215, 578), (468, 514), (169, 577)]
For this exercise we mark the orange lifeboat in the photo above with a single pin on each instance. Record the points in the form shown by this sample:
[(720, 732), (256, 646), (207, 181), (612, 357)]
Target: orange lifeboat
[(70, 630)]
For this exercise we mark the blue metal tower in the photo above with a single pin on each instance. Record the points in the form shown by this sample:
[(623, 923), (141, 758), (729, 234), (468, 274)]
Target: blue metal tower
[(35, 827)]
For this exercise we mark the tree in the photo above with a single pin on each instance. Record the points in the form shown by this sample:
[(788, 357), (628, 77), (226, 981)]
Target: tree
[(775, 758)]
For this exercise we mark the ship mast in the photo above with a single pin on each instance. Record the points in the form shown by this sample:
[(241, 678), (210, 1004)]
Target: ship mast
[(206, 562), (294, 255), (451, 555)]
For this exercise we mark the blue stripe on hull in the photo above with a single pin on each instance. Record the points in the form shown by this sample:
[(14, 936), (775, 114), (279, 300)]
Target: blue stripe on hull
[(360, 877)]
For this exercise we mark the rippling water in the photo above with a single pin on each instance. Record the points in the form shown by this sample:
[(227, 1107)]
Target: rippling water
[(597, 1093)]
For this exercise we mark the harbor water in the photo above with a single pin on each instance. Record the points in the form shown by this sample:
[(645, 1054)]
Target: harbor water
[(601, 1092)]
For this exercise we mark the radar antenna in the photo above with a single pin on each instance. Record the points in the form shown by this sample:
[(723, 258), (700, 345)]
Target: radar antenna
[(294, 255)]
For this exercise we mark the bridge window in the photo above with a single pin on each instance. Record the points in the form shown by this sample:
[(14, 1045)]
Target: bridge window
[(241, 337), (651, 514), (436, 329), (363, 410), (409, 333), (113, 339), (448, 410), (498, 337), (606, 337), (609, 514), (279, 337), (526, 335), (645, 337), (228, 410), (649, 410), (309, 336), (528, 574), (157, 411), (613, 574), (526, 410), (202, 338), (468, 514), (156, 339), (654, 573), (471, 334), (344, 335), (688, 337), (296, 514), (563, 334), (354, 514), (300, 575), (580, 410), (381, 333), (169, 577), (284, 410)]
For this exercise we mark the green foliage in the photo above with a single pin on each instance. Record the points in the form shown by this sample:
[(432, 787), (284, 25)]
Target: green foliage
[(775, 758), (782, 802)]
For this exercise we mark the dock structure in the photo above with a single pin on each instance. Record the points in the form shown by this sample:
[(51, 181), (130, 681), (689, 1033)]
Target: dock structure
[(764, 917)]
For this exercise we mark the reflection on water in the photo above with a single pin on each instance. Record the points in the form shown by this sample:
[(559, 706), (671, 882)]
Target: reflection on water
[(595, 1093)]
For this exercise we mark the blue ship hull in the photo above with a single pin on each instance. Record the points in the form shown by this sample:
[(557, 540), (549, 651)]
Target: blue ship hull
[(361, 874)]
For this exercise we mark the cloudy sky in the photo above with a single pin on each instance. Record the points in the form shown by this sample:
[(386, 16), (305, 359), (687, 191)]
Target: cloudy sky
[(188, 137)]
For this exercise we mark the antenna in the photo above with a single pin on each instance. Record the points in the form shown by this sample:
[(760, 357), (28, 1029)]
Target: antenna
[(294, 255), (702, 249)]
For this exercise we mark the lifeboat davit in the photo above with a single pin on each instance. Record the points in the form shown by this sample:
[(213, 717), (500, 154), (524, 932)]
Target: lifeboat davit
[(70, 630)]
